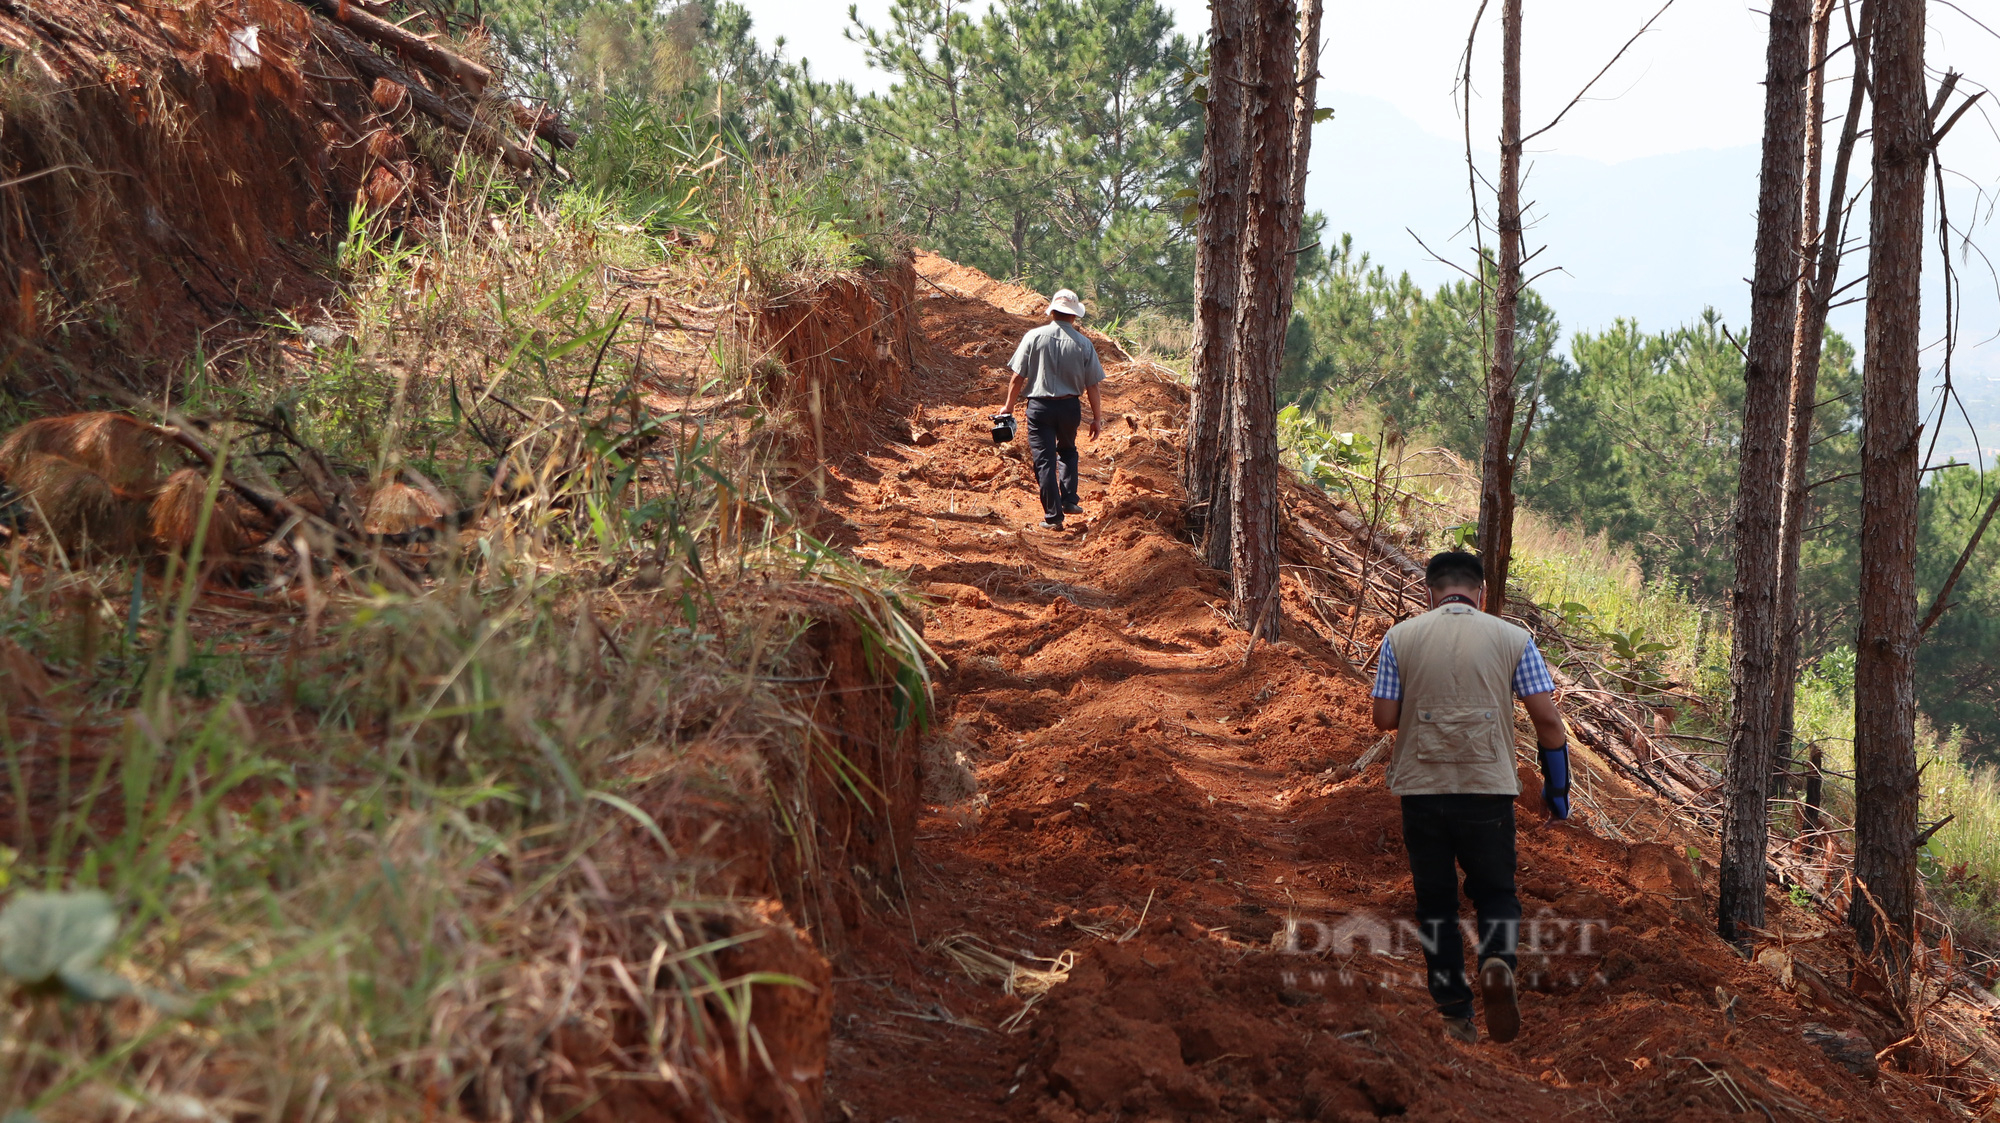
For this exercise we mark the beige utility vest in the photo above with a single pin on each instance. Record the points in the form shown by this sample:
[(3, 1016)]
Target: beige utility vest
[(1456, 732)]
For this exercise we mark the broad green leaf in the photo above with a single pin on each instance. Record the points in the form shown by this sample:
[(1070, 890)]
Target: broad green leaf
[(44, 934)]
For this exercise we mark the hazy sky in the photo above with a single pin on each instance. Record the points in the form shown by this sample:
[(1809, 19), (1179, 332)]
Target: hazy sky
[(1693, 81), (1645, 194)]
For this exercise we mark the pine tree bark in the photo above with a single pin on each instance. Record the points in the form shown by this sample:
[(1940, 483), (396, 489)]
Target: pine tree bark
[(1217, 269), (1767, 379), (1822, 241), (1496, 467), (1885, 764), (1263, 311)]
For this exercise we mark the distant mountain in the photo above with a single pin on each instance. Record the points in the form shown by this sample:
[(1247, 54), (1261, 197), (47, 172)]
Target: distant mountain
[(1656, 239), (1979, 394)]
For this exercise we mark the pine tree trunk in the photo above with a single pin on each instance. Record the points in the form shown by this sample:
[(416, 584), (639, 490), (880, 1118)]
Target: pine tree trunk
[(1816, 285), (1496, 468), (1885, 764), (1263, 310), (1767, 378), (1310, 18), (1217, 268)]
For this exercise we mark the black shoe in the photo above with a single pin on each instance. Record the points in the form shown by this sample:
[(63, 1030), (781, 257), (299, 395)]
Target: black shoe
[(1496, 993), (1072, 509), (1052, 524)]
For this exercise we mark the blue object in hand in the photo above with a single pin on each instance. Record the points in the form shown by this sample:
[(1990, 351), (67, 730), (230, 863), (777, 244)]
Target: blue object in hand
[(1555, 779)]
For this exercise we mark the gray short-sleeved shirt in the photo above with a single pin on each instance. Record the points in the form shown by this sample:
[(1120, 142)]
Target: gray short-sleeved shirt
[(1057, 360)]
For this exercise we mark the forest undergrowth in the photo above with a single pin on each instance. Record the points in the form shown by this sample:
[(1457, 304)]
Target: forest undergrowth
[(404, 811)]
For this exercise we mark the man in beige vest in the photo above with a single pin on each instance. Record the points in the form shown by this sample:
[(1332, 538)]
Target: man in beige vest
[(1446, 683)]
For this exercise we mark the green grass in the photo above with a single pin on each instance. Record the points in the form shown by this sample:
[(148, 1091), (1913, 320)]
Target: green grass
[(358, 847), (1601, 596)]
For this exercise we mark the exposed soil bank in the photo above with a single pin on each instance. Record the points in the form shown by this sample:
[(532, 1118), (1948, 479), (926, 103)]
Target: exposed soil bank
[(178, 175), (1152, 810)]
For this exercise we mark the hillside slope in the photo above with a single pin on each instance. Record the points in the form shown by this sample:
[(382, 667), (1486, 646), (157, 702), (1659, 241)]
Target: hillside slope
[(1146, 821)]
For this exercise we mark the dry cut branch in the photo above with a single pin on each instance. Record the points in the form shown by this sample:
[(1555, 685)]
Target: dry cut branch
[(474, 77), (375, 66)]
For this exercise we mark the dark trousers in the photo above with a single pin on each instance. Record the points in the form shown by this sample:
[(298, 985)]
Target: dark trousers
[(1052, 426), (1475, 833)]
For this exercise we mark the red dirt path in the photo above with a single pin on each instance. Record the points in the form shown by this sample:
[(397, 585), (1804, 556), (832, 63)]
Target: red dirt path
[(1129, 763)]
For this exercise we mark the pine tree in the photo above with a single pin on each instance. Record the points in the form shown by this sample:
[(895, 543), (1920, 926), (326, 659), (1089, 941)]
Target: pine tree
[(1219, 236), (1045, 141), (1767, 378), (1496, 465), (1267, 58), (1822, 240), (1885, 763)]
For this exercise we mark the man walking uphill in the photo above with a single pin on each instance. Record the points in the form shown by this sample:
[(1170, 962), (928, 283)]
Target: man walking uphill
[(1446, 684), (1055, 365)]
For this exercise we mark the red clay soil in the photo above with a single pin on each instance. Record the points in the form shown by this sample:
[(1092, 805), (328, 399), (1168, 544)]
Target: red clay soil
[(162, 184), (1151, 809)]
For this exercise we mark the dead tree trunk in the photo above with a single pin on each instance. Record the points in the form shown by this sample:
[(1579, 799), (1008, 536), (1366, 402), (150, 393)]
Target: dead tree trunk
[(1885, 763), (1820, 271), (1217, 268), (1263, 310), (1798, 434), (1496, 468), (1761, 475)]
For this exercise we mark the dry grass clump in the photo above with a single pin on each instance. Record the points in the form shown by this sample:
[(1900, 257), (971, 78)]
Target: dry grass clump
[(948, 774), (80, 509), (466, 872), (176, 511), (397, 508), (123, 451), (93, 480)]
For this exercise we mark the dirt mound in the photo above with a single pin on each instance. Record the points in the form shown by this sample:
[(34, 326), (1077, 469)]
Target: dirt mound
[(180, 170), (834, 353), (1022, 304), (1198, 891)]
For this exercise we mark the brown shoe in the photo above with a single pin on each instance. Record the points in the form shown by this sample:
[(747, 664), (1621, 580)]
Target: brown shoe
[(1496, 995), (1460, 1029)]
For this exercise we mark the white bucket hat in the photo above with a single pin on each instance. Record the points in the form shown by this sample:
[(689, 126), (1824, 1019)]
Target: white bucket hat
[(1066, 302)]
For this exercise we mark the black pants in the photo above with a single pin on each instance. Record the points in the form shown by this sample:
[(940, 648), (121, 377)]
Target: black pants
[(1475, 832), (1052, 426)]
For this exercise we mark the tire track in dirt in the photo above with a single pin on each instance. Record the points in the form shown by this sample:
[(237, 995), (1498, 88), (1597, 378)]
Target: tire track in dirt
[(1150, 809)]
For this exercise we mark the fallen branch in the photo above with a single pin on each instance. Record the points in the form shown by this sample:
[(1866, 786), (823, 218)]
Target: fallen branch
[(474, 77), (1362, 762), (375, 66), (544, 123), (1925, 835), (1389, 550)]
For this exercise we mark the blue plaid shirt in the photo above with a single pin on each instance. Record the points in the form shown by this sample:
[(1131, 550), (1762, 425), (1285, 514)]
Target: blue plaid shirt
[(1531, 675)]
